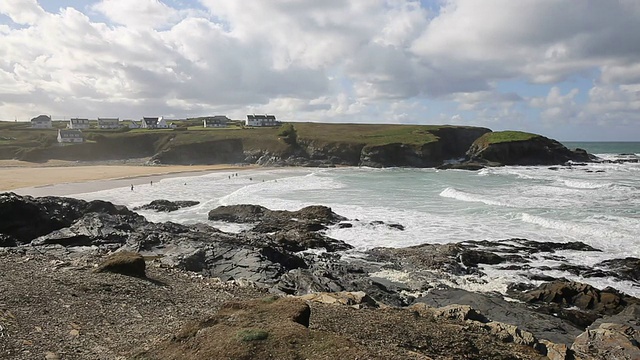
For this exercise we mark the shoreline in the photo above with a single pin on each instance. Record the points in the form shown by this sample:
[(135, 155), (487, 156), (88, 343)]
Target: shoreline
[(63, 179)]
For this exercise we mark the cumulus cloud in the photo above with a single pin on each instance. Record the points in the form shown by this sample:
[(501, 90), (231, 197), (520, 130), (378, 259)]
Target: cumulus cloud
[(152, 14), (333, 60)]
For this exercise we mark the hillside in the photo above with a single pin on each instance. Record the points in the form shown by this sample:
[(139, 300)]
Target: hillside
[(293, 144)]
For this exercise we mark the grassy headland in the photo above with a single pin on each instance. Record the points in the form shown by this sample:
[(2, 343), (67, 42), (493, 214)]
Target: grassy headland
[(19, 141), (504, 136)]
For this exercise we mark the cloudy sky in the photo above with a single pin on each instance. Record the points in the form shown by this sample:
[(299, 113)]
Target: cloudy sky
[(566, 69)]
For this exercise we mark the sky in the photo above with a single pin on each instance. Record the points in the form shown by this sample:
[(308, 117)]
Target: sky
[(565, 69)]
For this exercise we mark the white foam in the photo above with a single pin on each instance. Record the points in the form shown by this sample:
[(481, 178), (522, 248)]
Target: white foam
[(469, 197), (581, 184), (536, 203)]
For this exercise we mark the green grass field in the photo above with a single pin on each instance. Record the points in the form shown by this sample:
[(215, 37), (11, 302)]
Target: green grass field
[(504, 136), (252, 138)]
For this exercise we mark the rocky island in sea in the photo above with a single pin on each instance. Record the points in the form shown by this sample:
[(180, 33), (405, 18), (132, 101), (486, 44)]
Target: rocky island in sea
[(92, 279)]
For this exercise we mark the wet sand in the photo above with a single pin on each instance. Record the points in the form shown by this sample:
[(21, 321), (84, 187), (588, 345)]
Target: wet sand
[(63, 178)]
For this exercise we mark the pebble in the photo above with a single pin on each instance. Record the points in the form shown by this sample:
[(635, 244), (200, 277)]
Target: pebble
[(51, 356)]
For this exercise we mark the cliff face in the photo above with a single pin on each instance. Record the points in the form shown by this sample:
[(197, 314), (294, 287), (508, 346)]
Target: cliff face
[(212, 152), (101, 148), (452, 143), (348, 144)]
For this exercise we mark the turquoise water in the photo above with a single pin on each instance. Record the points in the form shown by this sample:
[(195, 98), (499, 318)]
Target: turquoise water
[(598, 204), (606, 147)]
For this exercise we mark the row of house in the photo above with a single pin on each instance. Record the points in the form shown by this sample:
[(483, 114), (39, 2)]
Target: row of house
[(44, 122)]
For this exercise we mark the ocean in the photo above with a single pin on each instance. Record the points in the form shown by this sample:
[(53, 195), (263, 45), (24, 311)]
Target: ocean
[(597, 203)]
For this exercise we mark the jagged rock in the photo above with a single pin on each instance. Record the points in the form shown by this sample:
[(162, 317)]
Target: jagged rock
[(357, 299), (626, 269), (629, 316), (24, 217), (554, 351), (495, 308), (295, 241), (238, 213), (511, 333), (451, 312), (608, 341), (578, 303), (93, 229), (254, 213), (125, 263), (583, 296), (475, 257), (527, 246), (426, 257), (166, 205)]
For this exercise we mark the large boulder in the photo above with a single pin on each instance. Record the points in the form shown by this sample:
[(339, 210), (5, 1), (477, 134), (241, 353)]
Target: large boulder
[(243, 213), (166, 205), (519, 148), (24, 218), (608, 341), (125, 263), (576, 302), (495, 308)]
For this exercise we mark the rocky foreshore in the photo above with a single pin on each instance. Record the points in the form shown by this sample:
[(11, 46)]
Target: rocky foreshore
[(93, 280)]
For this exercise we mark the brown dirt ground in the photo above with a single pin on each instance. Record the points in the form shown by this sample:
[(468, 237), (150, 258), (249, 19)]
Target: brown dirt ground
[(54, 306)]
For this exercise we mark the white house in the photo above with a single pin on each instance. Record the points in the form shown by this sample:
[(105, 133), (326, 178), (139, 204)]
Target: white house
[(41, 122), (153, 123), (70, 136), (79, 124), (108, 123), (262, 120), (215, 121)]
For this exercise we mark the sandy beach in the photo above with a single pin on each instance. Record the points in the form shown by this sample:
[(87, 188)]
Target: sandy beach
[(60, 178)]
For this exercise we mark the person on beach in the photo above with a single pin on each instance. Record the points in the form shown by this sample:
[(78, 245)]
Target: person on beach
[(151, 182), (131, 187)]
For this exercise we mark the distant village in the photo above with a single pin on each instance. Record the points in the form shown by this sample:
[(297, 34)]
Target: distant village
[(73, 131)]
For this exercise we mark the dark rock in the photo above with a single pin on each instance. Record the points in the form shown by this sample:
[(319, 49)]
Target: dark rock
[(238, 213), (423, 257), (625, 269), (537, 150), (495, 308), (345, 225), (630, 316), (24, 218), (389, 225), (93, 229), (584, 271), (166, 205), (475, 257), (396, 226), (125, 263), (576, 302), (299, 241), (471, 166), (7, 241), (255, 213)]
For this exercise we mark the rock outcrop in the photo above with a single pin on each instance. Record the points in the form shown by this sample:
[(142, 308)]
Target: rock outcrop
[(524, 149), (167, 206), (125, 263)]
